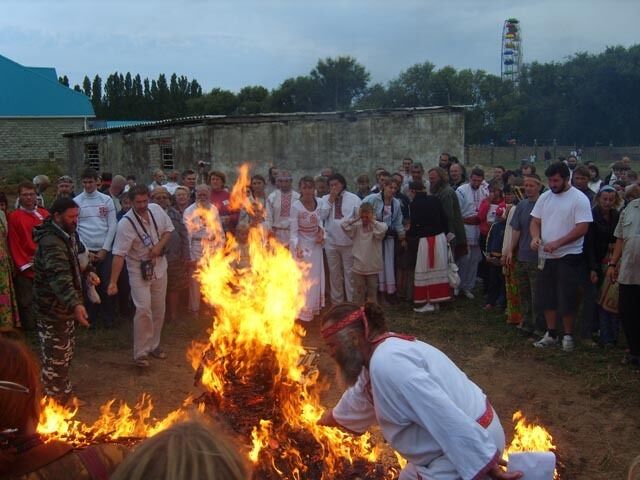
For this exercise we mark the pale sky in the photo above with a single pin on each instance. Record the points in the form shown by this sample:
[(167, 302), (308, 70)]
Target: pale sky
[(231, 44)]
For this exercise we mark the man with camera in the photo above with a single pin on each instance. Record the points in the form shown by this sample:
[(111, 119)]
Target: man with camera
[(142, 235)]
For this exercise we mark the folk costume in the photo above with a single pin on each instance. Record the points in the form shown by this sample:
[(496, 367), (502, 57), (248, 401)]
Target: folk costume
[(392, 216), (279, 214), (429, 225), (306, 235), (431, 414), (9, 318), (338, 245)]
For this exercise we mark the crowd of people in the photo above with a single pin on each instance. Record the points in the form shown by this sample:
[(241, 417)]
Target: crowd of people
[(551, 253)]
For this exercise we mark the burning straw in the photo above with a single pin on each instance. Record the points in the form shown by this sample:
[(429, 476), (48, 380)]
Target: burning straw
[(251, 365)]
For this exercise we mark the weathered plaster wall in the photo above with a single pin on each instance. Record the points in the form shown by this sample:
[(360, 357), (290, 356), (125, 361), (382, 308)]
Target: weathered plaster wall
[(351, 143)]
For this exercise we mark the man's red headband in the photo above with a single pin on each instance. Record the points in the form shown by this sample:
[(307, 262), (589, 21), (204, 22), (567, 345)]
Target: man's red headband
[(352, 318)]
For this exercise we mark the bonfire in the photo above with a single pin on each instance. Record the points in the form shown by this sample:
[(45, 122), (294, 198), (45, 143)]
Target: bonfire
[(251, 368)]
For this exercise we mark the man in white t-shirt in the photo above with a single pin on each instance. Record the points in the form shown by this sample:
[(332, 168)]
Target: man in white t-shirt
[(560, 220)]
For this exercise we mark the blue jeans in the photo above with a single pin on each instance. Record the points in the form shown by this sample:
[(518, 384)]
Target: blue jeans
[(609, 327), (107, 306)]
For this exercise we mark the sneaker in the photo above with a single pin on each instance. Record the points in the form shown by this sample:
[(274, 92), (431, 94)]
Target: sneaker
[(427, 307), (468, 294), (142, 361), (567, 343), (158, 353), (546, 341)]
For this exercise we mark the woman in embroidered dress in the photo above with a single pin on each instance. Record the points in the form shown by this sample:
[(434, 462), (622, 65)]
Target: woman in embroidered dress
[(307, 237), (8, 305), (513, 194)]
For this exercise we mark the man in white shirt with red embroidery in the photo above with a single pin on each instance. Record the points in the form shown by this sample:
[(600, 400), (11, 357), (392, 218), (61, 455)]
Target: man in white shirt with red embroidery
[(428, 410), (470, 195), (339, 204), (279, 203)]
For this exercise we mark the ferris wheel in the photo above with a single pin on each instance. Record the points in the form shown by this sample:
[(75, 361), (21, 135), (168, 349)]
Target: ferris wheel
[(511, 59)]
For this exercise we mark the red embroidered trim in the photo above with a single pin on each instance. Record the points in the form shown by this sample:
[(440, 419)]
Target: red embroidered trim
[(351, 318), (487, 417), (482, 473)]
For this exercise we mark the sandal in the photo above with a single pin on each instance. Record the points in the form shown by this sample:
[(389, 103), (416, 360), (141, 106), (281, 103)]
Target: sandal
[(158, 353), (142, 361)]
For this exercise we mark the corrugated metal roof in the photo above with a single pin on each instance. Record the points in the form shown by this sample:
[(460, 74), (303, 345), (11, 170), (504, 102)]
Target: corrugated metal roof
[(36, 92), (48, 72), (105, 124), (263, 118)]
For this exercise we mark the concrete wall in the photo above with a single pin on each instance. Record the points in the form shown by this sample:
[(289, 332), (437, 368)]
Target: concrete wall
[(351, 143), (30, 140)]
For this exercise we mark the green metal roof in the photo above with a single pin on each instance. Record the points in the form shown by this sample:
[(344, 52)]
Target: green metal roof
[(36, 92)]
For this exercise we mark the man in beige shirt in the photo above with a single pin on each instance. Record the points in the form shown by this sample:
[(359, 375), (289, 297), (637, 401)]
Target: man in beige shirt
[(624, 268), (142, 235)]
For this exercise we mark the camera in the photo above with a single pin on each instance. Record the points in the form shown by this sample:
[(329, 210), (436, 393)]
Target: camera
[(146, 269), (203, 164)]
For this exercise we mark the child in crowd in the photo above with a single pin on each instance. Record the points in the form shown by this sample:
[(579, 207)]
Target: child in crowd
[(489, 212), (367, 235)]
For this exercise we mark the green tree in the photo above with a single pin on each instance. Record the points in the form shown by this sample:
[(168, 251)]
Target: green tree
[(86, 86), (300, 94), (217, 102), (96, 95), (252, 100), (340, 82), (64, 80)]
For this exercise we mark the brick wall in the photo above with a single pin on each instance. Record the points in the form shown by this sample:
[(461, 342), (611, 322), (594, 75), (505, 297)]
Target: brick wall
[(30, 140)]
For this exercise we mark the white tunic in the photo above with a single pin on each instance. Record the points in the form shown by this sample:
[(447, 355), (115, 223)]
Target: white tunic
[(427, 409), (305, 229), (278, 218), (470, 200), (349, 206)]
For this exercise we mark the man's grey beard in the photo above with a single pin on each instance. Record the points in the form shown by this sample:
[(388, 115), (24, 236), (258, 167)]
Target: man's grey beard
[(349, 365)]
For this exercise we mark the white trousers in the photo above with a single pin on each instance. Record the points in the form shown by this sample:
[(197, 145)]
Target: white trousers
[(387, 277), (468, 268), (442, 468), (194, 295), (149, 299), (340, 261)]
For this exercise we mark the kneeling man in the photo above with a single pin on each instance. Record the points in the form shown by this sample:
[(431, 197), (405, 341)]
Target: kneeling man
[(427, 408)]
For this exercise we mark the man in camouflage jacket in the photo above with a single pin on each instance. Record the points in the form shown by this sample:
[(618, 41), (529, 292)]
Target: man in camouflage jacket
[(58, 295)]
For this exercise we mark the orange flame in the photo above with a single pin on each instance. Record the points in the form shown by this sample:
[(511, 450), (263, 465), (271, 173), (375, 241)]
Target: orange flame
[(239, 198), (256, 306), (255, 313), (58, 421), (529, 437)]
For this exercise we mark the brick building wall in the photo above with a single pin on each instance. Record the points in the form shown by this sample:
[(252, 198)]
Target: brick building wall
[(352, 143), (31, 140)]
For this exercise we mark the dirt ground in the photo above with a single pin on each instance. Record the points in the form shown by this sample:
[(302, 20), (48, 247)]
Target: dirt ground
[(587, 400)]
